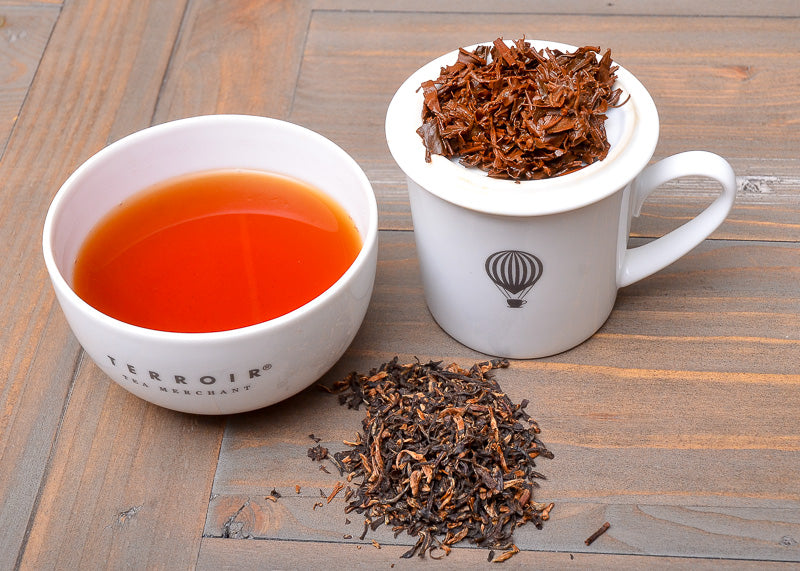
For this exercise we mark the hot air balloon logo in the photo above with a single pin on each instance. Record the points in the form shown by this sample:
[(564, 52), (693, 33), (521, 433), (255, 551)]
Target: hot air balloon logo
[(514, 273)]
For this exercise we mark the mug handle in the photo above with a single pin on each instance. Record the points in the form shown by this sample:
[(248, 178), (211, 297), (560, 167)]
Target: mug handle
[(640, 262)]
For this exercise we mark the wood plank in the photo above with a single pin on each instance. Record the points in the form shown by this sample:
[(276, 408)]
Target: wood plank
[(24, 31), (728, 8), (766, 208), (700, 89), (252, 67), (605, 453), (218, 553), (75, 103), (635, 433), (31, 3), (597, 456), (122, 470), (122, 467), (33, 399), (637, 529), (692, 460), (724, 297)]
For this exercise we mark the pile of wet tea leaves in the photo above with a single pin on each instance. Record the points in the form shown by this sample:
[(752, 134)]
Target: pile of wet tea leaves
[(519, 113), (444, 455)]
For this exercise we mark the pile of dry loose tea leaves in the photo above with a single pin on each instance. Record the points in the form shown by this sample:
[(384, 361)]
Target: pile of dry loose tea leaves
[(519, 113), (444, 455)]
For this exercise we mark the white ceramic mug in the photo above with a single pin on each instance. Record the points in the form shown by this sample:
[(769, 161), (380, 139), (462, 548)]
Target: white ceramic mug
[(227, 371), (530, 269)]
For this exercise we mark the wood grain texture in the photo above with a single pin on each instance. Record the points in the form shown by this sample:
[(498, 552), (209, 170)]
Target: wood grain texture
[(654, 441), (31, 3), (766, 208), (24, 32), (698, 70), (722, 298), (128, 482), (124, 468), (676, 422), (637, 529), (230, 553), (242, 57), (79, 97), (570, 8)]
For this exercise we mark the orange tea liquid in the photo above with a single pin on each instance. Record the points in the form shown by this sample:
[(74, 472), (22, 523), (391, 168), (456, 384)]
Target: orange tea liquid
[(214, 251)]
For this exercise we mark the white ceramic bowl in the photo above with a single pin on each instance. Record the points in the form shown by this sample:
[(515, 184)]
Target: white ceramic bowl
[(228, 371)]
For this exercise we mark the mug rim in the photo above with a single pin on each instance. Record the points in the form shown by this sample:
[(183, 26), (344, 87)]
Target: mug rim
[(471, 188), (63, 288)]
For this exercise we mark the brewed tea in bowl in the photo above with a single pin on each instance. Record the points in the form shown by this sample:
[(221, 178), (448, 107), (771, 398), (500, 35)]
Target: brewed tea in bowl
[(221, 367)]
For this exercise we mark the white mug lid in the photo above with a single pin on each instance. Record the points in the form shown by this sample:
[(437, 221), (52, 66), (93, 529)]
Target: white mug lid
[(632, 131)]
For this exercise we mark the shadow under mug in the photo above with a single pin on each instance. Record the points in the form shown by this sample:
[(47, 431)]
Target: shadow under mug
[(531, 269)]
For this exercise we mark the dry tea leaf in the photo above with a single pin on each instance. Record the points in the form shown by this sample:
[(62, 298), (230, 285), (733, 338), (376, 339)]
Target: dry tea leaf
[(506, 555), (338, 487), (318, 453), (603, 528)]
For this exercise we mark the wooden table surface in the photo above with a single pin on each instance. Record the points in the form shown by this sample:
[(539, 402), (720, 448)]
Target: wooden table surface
[(677, 422)]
